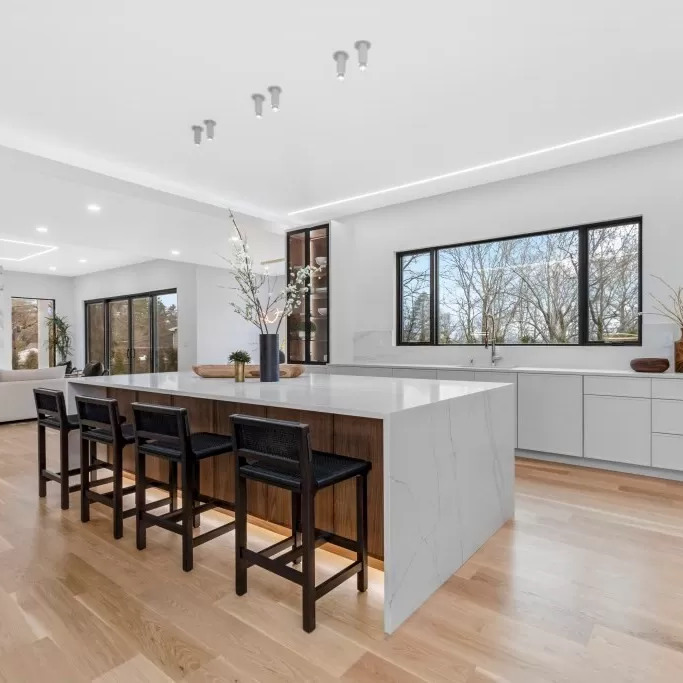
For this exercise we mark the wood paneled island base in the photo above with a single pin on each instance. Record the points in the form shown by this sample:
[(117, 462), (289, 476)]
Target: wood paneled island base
[(335, 510)]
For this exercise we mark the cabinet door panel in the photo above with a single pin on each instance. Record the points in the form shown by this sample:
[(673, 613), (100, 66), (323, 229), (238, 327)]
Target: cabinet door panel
[(667, 416), (617, 429), (415, 373), (550, 413), (667, 451), (461, 375)]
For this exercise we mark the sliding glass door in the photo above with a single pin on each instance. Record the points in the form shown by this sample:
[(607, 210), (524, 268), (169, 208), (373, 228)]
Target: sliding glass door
[(134, 334)]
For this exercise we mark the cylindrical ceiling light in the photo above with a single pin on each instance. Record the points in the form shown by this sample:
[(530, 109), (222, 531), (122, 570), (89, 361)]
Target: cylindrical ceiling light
[(362, 46), (275, 91), (197, 134), (258, 104), (210, 126), (341, 58)]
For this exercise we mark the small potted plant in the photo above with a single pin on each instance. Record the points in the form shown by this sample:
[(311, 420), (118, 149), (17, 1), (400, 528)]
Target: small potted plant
[(240, 359)]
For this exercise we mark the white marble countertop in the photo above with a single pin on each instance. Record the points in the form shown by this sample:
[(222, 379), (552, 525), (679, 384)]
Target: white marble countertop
[(669, 374), (376, 397)]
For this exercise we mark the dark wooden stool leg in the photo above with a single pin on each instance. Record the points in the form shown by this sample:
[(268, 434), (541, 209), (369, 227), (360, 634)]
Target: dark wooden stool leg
[(362, 530), (308, 559), (117, 498), (240, 533), (64, 467), (173, 485), (296, 522), (85, 482), (187, 487), (42, 462), (93, 460), (140, 500), (196, 521)]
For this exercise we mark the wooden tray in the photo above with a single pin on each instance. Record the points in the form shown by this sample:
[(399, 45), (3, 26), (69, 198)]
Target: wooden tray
[(250, 371)]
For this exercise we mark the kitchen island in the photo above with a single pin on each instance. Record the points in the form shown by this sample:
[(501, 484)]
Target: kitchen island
[(442, 453)]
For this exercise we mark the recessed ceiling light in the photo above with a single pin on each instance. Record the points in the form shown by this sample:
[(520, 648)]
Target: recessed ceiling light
[(175, 252), (52, 268), (234, 238), (82, 260), (41, 228), (94, 208), (492, 164)]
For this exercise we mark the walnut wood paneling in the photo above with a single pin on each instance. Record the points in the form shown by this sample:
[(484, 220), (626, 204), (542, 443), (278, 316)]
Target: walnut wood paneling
[(201, 414), (360, 437)]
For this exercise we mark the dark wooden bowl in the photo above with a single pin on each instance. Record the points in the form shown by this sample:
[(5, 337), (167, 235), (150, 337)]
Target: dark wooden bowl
[(650, 364)]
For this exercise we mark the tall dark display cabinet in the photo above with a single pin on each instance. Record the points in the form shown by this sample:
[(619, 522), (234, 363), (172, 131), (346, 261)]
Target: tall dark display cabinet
[(308, 326)]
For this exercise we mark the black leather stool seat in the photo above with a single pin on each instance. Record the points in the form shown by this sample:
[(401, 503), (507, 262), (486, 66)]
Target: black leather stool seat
[(203, 445), (328, 469), (53, 422)]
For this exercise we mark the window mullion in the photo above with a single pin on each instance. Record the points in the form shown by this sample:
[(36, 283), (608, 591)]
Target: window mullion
[(583, 286)]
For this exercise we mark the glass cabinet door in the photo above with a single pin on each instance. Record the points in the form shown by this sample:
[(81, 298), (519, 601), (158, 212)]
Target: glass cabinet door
[(318, 252), (307, 326)]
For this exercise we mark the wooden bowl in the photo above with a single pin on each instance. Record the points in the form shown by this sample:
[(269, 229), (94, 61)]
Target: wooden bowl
[(250, 371), (650, 364)]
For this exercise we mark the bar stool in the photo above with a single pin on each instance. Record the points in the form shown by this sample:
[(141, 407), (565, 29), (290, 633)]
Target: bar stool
[(279, 453), (51, 413), (100, 422), (165, 433)]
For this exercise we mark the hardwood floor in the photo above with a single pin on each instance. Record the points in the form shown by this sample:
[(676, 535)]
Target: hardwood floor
[(586, 585)]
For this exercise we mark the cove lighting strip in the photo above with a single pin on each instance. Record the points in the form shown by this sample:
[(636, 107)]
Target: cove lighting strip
[(46, 249), (492, 164)]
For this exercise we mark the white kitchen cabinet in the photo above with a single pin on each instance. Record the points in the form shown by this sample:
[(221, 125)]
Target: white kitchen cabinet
[(635, 387), (415, 373), (360, 370), (460, 375), (671, 388), (550, 413), (667, 451), (667, 416), (617, 429)]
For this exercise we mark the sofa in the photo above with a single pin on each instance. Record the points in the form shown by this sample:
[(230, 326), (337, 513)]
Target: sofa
[(16, 391)]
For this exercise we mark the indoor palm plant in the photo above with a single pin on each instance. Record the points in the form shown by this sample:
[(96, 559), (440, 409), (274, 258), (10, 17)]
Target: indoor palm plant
[(260, 305), (240, 359), (59, 341)]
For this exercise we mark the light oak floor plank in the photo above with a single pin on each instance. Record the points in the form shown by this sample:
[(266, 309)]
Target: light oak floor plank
[(584, 586)]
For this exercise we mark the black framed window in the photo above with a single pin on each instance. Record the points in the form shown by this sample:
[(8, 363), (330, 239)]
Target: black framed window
[(574, 286), (132, 334)]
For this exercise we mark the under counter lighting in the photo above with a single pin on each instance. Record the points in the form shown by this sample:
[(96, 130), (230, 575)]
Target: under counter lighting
[(94, 208), (41, 228), (175, 252)]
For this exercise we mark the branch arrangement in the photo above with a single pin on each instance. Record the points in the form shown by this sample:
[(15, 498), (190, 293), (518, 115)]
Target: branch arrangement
[(674, 309), (259, 304)]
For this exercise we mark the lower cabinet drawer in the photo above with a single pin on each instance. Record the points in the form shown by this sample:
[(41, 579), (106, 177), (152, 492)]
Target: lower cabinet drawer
[(667, 416), (667, 451), (617, 429)]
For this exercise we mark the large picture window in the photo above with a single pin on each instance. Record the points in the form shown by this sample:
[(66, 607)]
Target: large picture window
[(578, 285), (133, 334), (31, 322)]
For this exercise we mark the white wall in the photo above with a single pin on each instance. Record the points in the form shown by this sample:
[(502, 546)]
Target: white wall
[(363, 249), (31, 286)]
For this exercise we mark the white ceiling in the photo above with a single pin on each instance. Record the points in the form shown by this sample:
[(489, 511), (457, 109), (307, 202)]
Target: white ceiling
[(457, 93), (134, 224)]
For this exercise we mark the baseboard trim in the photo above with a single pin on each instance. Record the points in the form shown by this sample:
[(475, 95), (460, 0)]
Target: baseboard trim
[(640, 470)]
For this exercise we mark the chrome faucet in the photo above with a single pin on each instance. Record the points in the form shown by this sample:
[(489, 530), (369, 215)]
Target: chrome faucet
[(494, 357)]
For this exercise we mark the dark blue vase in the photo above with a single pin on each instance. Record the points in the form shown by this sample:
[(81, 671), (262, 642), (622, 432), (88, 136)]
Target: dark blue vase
[(269, 357)]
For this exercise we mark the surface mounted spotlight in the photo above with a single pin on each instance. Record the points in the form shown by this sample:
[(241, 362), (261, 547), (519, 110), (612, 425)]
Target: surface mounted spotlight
[(210, 126), (362, 46), (197, 134), (341, 57), (258, 104), (275, 91)]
